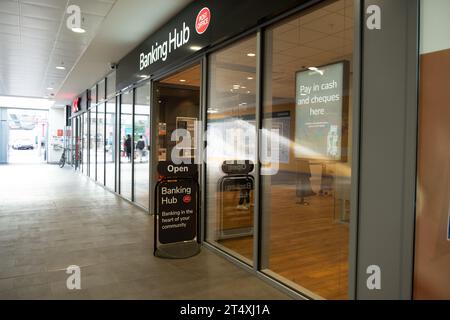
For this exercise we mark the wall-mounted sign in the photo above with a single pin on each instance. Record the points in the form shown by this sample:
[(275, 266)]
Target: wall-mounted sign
[(76, 104), (322, 112), (201, 24), (202, 21)]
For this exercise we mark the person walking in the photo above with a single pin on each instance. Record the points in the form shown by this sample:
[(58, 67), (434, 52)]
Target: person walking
[(128, 147), (140, 146)]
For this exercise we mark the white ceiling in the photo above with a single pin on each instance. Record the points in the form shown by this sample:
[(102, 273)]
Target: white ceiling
[(34, 40), (128, 24)]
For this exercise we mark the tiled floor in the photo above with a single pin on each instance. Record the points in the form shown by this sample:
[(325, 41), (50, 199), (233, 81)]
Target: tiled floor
[(51, 218)]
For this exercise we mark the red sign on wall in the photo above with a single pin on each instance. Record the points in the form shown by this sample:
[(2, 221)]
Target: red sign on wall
[(60, 132), (76, 105)]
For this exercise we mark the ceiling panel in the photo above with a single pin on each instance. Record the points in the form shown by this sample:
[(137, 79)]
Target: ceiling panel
[(9, 7), (42, 24), (11, 19), (34, 40)]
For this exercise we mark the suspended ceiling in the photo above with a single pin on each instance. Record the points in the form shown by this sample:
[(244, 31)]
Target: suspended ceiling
[(34, 40)]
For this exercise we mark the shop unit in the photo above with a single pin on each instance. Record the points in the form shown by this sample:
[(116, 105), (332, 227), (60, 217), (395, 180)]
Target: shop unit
[(302, 118)]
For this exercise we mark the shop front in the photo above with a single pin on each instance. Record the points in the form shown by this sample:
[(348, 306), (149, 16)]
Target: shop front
[(292, 113)]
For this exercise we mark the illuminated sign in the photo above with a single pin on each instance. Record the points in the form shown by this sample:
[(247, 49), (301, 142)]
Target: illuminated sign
[(76, 105), (321, 112)]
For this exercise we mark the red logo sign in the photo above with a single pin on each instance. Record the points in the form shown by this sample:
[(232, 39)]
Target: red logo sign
[(202, 21), (76, 105), (187, 199)]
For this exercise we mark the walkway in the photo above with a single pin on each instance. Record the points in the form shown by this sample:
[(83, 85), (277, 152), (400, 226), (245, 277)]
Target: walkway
[(51, 218)]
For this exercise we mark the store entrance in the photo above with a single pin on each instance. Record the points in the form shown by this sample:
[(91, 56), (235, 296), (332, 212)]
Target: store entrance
[(177, 101), (27, 136)]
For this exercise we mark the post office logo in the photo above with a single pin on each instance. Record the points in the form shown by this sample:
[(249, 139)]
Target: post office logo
[(203, 20)]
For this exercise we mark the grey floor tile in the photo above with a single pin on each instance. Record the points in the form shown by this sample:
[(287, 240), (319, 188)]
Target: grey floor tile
[(69, 220)]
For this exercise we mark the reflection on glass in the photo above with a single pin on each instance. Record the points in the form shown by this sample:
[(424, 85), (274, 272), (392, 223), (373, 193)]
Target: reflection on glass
[(93, 95), (111, 85), (142, 148), (92, 144), (85, 143), (126, 143), (110, 151), (306, 199), (101, 143), (101, 91), (232, 138)]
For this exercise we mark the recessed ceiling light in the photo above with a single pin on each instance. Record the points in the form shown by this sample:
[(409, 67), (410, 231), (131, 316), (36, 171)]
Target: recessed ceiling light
[(195, 48), (248, 92), (49, 88), (251, 54), (249, 78), (182, 80), (78, 30), (243, 87), (143, 76), (236, 86), (60, 67)]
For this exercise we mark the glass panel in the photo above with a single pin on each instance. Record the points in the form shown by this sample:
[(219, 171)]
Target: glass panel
[(85, 143), (231, 135), (92, 144), (79, 146), (126, 144), (111, 85), (94, 95), (101, 91), (432, 250), (110, 144), (306, 150), (101, 143), (142, 140), (73, 140)]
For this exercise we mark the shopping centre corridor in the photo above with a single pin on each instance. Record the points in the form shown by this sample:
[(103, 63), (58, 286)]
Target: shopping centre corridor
[(51, 218)]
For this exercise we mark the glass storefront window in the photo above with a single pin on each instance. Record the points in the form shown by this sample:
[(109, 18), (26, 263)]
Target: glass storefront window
[(142, 145), (101, 143), (85, 143), (306, 189), (93, 144), (111, 85), (432, 238), (231, 132), (101, 91), (93, 95), (126, 144), (110, 144)]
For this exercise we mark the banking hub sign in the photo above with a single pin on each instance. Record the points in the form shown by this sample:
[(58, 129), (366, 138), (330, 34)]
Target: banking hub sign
[(175, 39)]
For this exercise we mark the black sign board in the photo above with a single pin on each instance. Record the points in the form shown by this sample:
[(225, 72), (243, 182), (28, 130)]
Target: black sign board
[(236, 167), (177, 209), (200, 25), (172, 170)]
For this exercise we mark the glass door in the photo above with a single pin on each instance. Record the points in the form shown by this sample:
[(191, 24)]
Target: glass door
[(231, 151)]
